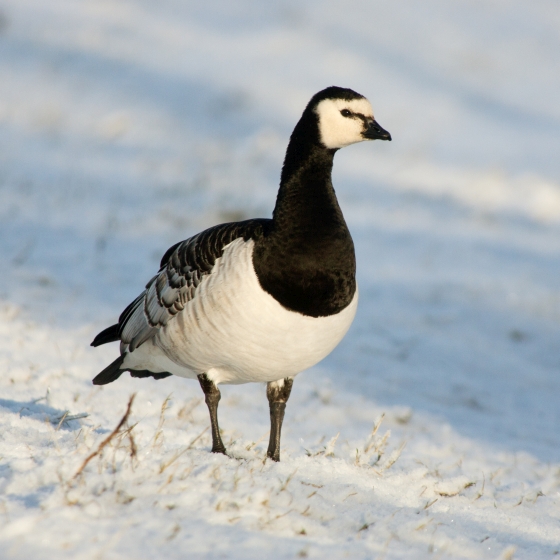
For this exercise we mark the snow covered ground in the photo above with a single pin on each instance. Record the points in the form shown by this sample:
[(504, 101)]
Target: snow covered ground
[(128, 125)]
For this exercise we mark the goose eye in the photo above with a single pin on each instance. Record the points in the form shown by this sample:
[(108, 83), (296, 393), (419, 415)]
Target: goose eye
[(345, 113)]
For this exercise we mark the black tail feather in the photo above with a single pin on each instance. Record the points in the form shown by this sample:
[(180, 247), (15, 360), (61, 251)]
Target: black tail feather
[(110, 373), (110, 334), (147, 373)]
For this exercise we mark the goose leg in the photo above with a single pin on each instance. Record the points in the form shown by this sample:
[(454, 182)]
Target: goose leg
[(212, 397), (278, 393)]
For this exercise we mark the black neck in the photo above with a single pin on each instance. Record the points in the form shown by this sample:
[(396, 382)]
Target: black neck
[(306, 261), (306, 201)]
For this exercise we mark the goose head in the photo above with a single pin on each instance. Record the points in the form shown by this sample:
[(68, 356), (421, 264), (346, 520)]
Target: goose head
[(345, 117)]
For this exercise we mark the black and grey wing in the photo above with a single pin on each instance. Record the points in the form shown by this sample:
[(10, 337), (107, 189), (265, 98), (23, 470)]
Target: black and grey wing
[(181, 270)]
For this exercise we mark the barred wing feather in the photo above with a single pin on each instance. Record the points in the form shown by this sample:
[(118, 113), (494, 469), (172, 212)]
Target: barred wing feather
[(182, 269)]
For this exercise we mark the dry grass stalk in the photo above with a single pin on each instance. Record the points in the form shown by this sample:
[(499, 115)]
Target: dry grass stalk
[(311, 484), (424, 524), (357, 458), (327, 451), (132, 443), (286, 482), (394, 456), (187, 409), (108, 439), (251, 445), (163, 466), (67, 417), (456, 492), (62, 420), (280, 515), (371, 441), (164, 406), (481, 493), (379, 446), (430, 503), (329, 448)]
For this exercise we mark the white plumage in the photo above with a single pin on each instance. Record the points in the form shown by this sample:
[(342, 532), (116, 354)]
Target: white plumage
[(235, 332)]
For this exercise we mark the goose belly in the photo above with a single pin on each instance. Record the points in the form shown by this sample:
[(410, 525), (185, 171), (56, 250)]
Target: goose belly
[(237, 333)]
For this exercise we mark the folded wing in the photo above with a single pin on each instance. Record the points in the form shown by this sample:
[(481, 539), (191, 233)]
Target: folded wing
[(181, 270)]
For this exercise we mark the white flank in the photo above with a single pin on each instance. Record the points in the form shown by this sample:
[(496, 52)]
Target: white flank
[(237, 333)]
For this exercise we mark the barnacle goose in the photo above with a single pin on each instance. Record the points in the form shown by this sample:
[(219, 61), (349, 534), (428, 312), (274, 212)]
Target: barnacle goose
[(257, 300)]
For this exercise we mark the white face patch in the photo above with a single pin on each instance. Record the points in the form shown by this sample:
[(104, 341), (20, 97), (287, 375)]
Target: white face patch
[(337, 130)]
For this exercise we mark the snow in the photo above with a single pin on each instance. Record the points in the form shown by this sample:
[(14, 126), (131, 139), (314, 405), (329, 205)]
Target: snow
[(128, 126)]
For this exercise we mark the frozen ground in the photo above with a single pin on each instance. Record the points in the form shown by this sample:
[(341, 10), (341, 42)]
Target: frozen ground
[(126, 126)]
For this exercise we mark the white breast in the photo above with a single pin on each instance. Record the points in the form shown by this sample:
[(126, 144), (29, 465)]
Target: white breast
[(235, 332)]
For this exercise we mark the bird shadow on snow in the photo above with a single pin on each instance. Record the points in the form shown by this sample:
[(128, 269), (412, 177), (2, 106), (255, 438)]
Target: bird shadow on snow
[(35, 410)]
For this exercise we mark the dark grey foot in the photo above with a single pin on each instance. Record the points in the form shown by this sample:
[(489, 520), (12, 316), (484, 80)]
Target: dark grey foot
[(212, 397), (278, 393)]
